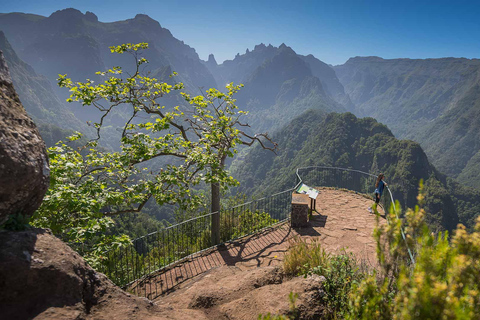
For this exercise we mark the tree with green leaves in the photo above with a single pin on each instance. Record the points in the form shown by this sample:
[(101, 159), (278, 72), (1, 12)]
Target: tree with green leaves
[(89, 185)]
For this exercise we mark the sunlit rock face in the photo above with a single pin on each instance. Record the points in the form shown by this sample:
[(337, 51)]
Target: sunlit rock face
[(24, 171)]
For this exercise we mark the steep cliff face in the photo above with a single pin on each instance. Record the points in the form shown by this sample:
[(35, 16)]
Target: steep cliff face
[(23, 158), (279, 85), (37, 94)]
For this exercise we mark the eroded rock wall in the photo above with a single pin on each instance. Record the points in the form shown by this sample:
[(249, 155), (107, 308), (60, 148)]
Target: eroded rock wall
[(24, 171)]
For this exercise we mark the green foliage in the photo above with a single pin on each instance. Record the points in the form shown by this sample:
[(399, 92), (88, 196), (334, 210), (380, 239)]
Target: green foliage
[(340, 271), (234, 226), (442, 284), (363, 144), (341, 274), (302, 257), (16, 222), (90, 185), (154, 251), (418, 100), (251, 221)]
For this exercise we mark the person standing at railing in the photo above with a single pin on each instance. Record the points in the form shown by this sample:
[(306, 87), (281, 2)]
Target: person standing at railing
[(379, 186)]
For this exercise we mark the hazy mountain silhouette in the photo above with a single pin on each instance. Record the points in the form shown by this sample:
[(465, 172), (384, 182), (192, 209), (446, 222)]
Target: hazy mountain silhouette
[(39, 99), (280, 84), (71, 42), (432, 101)]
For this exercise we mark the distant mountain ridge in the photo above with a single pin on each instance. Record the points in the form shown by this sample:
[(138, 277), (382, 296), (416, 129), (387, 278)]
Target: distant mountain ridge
[(281, 84), (74, 43), (36, 91), (433, 101), (54, 120)]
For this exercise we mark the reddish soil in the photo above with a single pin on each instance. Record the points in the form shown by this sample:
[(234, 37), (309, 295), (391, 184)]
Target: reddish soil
[(342, 221), (42, 278)]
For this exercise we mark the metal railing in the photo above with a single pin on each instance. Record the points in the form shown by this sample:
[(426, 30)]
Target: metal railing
[(341, 178), (354, 180), (160, 250)]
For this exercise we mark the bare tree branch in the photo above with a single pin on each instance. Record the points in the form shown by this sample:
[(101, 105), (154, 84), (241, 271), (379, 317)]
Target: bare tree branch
[(256, 138)]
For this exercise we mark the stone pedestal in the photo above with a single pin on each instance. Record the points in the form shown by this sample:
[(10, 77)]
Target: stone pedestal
[(299, 217)]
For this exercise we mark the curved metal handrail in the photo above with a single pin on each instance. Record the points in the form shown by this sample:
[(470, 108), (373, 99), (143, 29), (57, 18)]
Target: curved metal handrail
[(136, 265), (370, 175)]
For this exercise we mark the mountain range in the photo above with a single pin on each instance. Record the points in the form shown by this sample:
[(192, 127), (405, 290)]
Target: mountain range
[(281, 84), (435, 102)]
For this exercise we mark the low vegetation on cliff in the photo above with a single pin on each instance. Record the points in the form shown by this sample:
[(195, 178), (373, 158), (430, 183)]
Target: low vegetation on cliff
[(438, 282)]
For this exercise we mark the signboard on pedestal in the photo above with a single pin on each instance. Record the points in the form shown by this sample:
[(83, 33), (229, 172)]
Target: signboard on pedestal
[(312, 193)]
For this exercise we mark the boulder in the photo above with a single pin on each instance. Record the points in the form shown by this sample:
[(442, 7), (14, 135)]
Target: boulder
[(43, 278), (24, 171)]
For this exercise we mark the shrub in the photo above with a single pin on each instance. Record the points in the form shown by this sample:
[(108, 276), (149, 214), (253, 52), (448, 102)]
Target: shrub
[(251, 221), (340, 271), (442, 283), (302, 257)]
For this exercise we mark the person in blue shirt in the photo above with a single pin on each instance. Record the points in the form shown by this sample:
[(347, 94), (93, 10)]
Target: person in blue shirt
[(379, 186)]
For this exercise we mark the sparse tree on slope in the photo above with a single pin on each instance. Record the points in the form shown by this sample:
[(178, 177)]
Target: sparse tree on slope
[(90, 185)]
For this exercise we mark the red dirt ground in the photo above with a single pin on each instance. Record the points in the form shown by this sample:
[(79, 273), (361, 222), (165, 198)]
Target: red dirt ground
[(342, 221)]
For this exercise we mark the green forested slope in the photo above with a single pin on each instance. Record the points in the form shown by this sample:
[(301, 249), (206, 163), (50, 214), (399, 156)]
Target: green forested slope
[(432, 101), (364, 144), (453, 140)]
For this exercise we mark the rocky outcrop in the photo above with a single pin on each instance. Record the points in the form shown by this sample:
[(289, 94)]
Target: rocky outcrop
[(228, 292), (43, 278), (24, 167)]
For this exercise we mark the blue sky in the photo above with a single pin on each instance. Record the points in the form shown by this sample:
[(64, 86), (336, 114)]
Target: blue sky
[(333, 31)]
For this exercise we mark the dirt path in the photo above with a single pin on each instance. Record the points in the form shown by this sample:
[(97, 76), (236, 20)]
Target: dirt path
[(342, 221)]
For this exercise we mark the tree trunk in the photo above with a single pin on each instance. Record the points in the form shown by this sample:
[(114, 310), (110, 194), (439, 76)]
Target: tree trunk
[(215, 207)]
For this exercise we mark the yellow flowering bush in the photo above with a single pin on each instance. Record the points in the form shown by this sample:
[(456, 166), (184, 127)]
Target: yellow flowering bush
[(442, 281)]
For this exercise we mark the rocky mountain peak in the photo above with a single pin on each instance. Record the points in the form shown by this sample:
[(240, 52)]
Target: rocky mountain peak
[(67, 13), (145, 19), (90, 16), (211, 60), (283, 48), (142, 16), (70, 21), (364, 59), (259, 47)]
